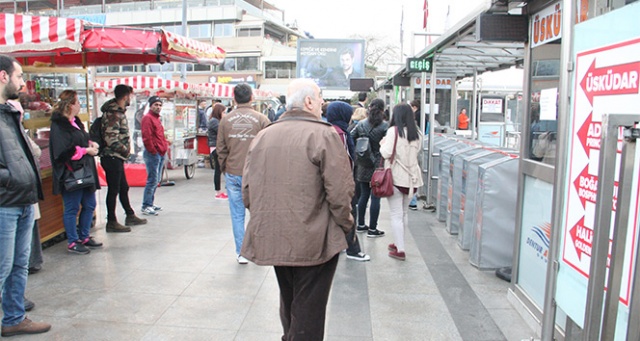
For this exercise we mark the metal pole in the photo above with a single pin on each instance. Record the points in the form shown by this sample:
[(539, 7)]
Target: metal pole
[(620, 228), (454, 104), (601, 231), (432, 120), (423, 98), (183, 66), (423, 126), (474, 104), (562, 148)]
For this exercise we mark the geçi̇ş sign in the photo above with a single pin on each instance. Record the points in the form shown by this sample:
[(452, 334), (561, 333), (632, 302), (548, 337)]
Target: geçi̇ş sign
[(419, 64)]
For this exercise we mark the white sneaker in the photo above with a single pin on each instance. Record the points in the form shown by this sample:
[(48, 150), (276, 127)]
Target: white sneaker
[(149, 211), (242, 260), (361, 257), (156, 208)]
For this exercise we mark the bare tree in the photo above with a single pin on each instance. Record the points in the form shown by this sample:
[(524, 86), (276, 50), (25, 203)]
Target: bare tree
[(377, 54)]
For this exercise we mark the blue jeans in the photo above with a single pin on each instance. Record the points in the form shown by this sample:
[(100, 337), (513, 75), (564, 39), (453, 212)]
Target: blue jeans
[(233, 184), (16, 224), (154, 163), (374, 210), (72, 201)]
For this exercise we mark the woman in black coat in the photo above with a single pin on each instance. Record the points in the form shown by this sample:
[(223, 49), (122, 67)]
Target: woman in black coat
[(375, 128), (71, 149), (217, 111)]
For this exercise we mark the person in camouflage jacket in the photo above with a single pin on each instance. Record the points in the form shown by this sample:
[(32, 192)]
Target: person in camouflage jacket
[(115, 130), (115, 133)]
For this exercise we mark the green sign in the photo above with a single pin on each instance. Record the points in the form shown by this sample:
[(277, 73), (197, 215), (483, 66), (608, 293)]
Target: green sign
[(419, 64)]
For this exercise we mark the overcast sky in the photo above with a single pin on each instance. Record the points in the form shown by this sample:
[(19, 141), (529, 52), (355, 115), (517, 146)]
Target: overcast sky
[(338, 19)]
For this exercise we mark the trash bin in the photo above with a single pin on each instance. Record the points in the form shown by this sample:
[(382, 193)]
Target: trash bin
[(495, 216)]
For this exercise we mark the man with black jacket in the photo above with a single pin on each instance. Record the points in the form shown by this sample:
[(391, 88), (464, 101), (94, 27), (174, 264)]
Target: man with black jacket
[(20, 188)]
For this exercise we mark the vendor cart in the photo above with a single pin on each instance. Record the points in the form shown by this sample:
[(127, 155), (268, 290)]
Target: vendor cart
[(210, 93), (179, 121), (178, 116)]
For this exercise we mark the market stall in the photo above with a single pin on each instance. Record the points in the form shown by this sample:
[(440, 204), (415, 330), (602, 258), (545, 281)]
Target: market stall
[(178, 117), (211, 93), (45, 44)]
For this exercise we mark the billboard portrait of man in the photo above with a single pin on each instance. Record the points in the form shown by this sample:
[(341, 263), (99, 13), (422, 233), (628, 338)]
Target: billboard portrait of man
[(331, 63), (341, 74)]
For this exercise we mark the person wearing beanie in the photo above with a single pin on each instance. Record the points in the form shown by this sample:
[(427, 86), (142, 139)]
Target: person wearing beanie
[(155, 148)]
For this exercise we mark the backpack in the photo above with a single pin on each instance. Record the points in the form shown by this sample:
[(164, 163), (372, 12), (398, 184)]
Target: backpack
[(364, 154), (95, 133)]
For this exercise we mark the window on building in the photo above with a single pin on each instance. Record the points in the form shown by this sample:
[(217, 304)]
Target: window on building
[(229, 64), (140, 68), (201, 68), (200, 31), (247, 63), (276, 36), (127, 68), (166, 67), (280, 70), (113, 69), (102, 69), (249, 32), (223, 30), (546, 68), (177, 29), (239, 64)]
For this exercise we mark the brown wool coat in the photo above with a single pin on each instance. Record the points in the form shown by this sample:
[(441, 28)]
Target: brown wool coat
[(297, 184)]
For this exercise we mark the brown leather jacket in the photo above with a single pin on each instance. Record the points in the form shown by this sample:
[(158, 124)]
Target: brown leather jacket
[(235, 133), (297, 184)]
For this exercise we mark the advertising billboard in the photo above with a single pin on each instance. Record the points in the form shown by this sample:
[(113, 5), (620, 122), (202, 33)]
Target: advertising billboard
[(332, 63)]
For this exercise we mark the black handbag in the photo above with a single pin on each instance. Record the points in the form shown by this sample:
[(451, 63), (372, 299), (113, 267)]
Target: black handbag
[(78, 179)]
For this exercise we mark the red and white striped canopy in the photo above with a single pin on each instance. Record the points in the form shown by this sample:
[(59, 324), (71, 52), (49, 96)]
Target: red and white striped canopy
[(25, 35), (72, 42), (262, 93), (142, 84), (187, 50), (218, 90)]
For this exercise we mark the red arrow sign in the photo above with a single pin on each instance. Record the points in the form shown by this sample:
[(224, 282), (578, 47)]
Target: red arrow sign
[(586, 186), (610, 80), (581, 237), (589, 134)]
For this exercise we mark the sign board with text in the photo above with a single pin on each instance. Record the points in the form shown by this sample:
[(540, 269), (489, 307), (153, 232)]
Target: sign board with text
[(419, 65), (606, 81)]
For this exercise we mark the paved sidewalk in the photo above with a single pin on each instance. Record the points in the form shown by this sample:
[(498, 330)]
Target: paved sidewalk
[(176, 278)]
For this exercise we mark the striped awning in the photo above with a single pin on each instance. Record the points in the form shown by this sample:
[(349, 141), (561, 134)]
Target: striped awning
[(186, 50), (141, 84), (218, 90), (25, 35), (257, 93)]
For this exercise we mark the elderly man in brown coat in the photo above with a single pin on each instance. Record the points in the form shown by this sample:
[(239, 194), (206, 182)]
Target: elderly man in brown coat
[(297, 184)]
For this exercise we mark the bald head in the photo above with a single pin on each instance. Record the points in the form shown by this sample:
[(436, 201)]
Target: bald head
[(304, 94)]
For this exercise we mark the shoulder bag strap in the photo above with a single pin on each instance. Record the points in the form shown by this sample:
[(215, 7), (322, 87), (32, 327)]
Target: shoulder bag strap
[(393, 153)]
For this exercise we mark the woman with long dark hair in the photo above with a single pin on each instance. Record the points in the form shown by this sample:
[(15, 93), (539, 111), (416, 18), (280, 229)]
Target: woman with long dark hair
[(407, 177), (71, 149), (374, 127), (212, 132)]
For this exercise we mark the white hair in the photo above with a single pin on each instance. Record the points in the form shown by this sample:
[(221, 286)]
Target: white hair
[(298, 90)]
